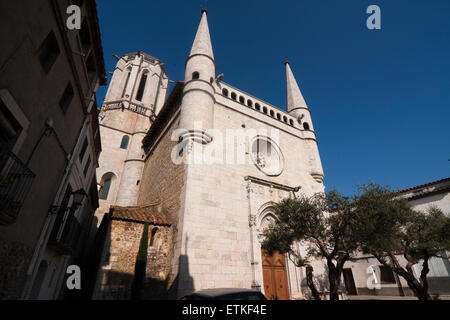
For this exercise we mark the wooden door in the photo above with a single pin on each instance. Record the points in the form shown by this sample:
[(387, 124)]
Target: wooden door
[(349, 281), (275, 276)]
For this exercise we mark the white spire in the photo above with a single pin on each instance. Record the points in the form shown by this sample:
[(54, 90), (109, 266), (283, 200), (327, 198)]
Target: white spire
[(294, 96), (202, 43)]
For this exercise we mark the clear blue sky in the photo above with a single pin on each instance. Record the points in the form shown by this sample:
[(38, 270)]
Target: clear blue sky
[(380, 99)]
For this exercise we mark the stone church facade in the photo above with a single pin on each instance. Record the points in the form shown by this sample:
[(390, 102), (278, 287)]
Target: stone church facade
[(214, 159)]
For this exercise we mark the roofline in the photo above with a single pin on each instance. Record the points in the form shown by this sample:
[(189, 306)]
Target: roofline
[(423, 185)]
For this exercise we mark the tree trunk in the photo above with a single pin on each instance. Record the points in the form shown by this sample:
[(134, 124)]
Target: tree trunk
[(334, 279), (420, 290), (309, 281)]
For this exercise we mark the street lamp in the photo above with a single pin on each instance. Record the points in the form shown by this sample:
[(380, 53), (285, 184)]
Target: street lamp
[(78, 197)]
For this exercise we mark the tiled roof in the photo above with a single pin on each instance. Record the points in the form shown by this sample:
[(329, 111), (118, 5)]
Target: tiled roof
[(423, 185), (149, 213)]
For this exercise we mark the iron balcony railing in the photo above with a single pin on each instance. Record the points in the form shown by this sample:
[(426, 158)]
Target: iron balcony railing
[(15, 183), (126, 104), (65, 235)]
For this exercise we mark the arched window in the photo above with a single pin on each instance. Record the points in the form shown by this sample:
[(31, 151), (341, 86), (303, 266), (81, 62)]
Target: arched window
[(291, 122), (195, 75), (126, 82), (257, 106), (153, 237), (242, 99), (278, 116), (140, 92), (225, 92), (249, 103), (272, 113), (124, 142), (305, 125), (107, 184), (285, 119), (265, 110), (233, 96), (211, 80), (105, 189)]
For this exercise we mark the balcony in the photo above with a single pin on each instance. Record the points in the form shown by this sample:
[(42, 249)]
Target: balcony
[(128, 105), (65, 235), (15, 183)]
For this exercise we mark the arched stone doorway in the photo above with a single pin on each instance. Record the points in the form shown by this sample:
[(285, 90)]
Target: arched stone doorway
[(274, 271)]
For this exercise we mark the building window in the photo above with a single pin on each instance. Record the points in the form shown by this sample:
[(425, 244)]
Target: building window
[(66, 98), (265, 110), (250, 103), (83, 149), (257, 106), (126, 82), (386, 275), (305, 125), (140, 92), (105, 189), (48, 52), (278, 116), (153, 237), (124, 142), (285, 119), (267, 156), (225, 92), (10, 128), (195, 75), (86, 166), (242, 99), (211, 80), (91, 67), (272, 113), (291, 122), (85, 37), (233, 96)]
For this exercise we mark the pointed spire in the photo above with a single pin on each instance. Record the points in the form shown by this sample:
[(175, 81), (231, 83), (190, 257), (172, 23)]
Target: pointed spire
[(202, 43), (294, 96)]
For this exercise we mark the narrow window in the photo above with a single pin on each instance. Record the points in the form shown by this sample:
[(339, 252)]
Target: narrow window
[(225, 92), (85, 38), (195, 75), (285, 119), (272, 113), (257, 107), (211, 80), (66, 98), (105, 189), (386, 275), (233, 96), (250, 103), (48, 52), (126, 82), (141, 89), (305, 125), (265, 110), (83, 149), (278, 116), (124, 143), (153, 236), (87, 165), (291, 122), (242, 99), (91, 67)]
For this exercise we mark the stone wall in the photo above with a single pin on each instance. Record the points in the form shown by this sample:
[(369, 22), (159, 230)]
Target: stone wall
[(121, 248), (163, 181)]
